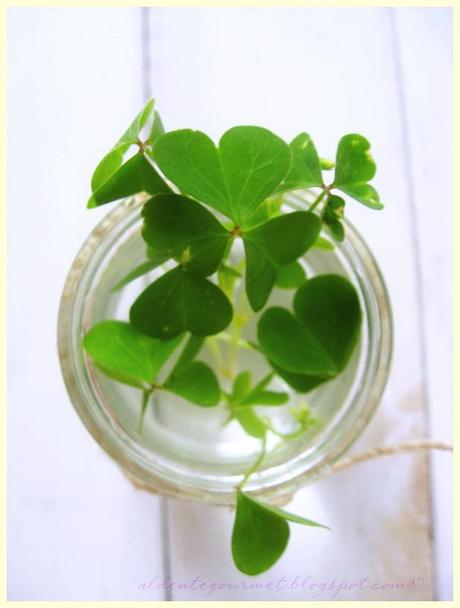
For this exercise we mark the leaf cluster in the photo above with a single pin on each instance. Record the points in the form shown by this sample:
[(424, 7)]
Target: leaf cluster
[(201, 198)]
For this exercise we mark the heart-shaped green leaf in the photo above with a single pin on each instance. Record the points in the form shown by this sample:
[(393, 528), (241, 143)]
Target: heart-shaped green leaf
[(354, 168), (328, 306), (261, 533), (126, 354), (250, 422), (267, 247), (178, 301), (302, 383), (134, 176), (179, 227), (259, 536), (291, 345), (254, 162), (195, 382), (290, 276), (147, 118), (241, 386), (235, 178), (305, 170)]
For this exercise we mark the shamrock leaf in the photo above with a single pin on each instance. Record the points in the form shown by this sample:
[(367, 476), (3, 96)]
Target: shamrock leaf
[(134, 176), (179, 227), (305, 170), (243, 395), (268, 247), (251, 423), (354, 168), (315, 344), (127, 355), (234, 178), (333, 213), (196, 382), (260, 534), (328, 306), (178, 301), (290, 276)]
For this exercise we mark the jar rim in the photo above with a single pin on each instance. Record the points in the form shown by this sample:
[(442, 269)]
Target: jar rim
[(134, 459)]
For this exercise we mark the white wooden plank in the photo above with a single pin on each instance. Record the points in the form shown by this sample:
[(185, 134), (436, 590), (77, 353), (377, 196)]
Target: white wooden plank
[(328, 71), (78, 530), (425, 41)]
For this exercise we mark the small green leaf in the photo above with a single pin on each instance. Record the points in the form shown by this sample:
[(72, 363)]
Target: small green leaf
[(354, 168), (254, 162), (235, 178), (333, 213), (179, 227), (136, 175), (337, 230), (289, 344), (324, 244), (260, 276), (107, 167), (328, 306), (126, 354), (251, 423), (267, 247), (287, 516), (305, 170), (195, 382), (178, 301), (265, 398), (259, 536), (290, 276), (189, 352), (157, 128), (133, 132), (140, 270), (326, 164), (241, 386)]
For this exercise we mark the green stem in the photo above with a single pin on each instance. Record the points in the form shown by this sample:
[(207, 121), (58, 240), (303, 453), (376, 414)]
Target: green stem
[(317, 200), (144, 404), (256, 464)]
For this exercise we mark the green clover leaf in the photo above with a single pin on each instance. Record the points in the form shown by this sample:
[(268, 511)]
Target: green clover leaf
[(179, 301), (261, 533), (354, 168), (234, 178)]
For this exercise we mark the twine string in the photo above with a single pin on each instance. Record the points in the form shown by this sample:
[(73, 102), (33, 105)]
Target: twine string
[(405, 446)]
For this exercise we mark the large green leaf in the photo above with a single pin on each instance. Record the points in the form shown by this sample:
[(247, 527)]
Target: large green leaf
[(261, 533), (259, 536), (179, 227), (305, 170), (302, 383), (254, 162), (328, 306), (234, 178), (291, 345), (279, 241), (195, 382), (354, 168), (191, 161), (134, 176), (125, 353), (178, 301)]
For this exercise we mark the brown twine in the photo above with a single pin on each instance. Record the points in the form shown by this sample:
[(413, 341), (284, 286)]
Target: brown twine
[(406, 446)]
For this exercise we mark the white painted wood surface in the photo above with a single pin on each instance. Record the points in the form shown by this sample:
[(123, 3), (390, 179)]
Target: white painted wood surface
[(77, 529)]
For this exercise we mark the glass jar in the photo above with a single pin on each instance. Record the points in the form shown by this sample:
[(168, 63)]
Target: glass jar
[(190, 452)]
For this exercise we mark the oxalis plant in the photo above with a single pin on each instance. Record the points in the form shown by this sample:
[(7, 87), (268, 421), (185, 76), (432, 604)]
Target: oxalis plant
[(201, 199)]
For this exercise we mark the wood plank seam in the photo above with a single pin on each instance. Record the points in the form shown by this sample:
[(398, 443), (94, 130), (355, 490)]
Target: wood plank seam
[(416, 246)]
